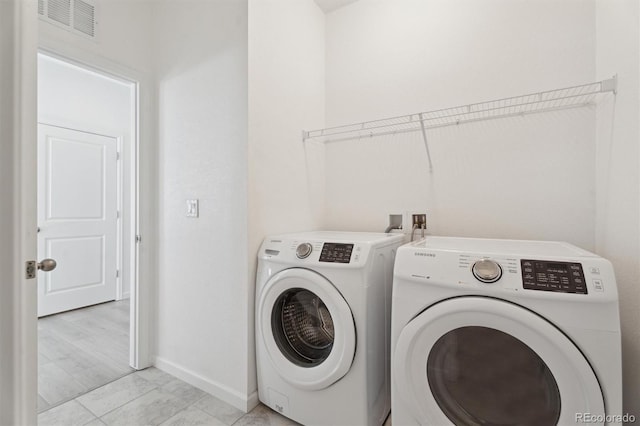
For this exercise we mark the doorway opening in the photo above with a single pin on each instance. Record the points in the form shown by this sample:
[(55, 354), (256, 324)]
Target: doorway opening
[(87, 222)]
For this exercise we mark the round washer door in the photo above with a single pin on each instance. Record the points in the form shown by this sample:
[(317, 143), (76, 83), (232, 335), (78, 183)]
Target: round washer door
[(475, 360), (307, 328)]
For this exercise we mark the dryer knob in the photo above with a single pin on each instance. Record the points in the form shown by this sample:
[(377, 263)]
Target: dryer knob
[(487, 271), (304, 250)]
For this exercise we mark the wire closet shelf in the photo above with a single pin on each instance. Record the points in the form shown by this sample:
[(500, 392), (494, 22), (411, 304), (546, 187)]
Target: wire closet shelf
[(568, 97)]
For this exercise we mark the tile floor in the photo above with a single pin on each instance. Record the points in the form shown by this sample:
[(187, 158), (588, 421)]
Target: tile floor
[(81, 350), (84, 379), (153, 397)]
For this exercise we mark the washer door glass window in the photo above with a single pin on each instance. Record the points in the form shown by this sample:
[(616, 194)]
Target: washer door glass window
[(480, 375), (302, 327)]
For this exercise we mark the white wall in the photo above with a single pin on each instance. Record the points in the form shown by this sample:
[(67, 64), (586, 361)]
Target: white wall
[(523, 177), (204, 285), (286, 95), (90, 99), (618, 219), (74, 97)]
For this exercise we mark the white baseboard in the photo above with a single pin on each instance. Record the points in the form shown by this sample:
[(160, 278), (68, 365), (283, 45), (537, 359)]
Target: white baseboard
[(242, 402)]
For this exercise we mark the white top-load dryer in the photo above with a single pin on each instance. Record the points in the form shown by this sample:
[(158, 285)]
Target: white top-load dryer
[(504, 332), (323, 307)]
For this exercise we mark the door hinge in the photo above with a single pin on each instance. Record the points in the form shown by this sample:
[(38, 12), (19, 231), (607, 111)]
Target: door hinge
[(117, 273), (30, 269), (117, 214), (138, 238), (117, 155)]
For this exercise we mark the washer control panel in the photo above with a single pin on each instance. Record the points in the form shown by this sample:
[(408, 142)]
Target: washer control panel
[(563, 277), (336, 253)]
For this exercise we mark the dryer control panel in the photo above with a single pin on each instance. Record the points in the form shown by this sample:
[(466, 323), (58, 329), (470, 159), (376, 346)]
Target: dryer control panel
[(563, 277), (336, 252)]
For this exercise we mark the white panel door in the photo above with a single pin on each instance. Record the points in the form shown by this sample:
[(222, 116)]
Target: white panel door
[(77, 218)]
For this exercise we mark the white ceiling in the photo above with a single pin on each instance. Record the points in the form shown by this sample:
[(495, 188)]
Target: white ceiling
[(331, 5)]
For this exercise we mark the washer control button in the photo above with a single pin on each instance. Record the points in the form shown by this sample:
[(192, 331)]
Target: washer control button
[(487, 270), (597, 284), (304, 250)]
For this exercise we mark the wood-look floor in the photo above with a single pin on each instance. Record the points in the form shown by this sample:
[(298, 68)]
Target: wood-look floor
[(81, 350)]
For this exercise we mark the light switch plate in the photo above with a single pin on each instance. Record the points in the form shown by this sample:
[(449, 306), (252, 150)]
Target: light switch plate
[(192, 208)]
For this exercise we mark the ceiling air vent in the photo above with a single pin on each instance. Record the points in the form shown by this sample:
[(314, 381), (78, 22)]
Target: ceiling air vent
[(77, 16), (84, 17), (60, 11)]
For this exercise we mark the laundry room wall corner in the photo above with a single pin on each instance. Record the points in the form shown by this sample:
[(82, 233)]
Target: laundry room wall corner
[(203, 282), (286, 95), (491, 178), (618, 177)]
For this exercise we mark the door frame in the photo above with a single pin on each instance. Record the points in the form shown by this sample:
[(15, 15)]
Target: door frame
[(18, 330), (139, 316), (18, 117)]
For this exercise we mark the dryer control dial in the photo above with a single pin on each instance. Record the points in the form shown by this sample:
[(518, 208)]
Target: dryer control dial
[(487, 270), (303, 250)]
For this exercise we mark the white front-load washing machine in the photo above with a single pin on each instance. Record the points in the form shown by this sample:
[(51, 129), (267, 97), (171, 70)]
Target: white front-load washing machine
[(323, 307), (504, 332)]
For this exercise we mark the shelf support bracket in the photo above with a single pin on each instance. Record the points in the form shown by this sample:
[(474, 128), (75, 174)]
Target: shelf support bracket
[(426, 143), (610, 85)]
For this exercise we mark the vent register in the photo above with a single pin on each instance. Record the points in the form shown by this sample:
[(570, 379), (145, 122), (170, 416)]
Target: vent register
[(77, 16)]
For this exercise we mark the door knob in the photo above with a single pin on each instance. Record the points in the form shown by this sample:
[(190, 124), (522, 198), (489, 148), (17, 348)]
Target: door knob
[(47, 265)]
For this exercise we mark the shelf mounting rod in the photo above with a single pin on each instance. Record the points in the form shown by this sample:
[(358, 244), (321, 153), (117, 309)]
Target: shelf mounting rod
[(426, 143)]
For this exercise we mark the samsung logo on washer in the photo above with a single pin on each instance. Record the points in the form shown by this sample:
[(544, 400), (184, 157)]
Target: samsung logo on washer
[(418, 253)]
